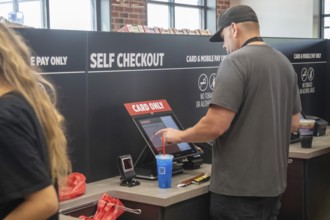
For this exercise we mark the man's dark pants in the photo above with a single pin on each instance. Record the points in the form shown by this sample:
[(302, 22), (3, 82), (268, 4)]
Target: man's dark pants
[(244, 208)]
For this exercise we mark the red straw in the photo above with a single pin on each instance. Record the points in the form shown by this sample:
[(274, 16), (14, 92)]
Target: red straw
[(163, 145)]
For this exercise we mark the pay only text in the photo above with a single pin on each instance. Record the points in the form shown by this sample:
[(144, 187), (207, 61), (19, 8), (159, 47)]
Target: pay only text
[(49, 60), (204, 58)]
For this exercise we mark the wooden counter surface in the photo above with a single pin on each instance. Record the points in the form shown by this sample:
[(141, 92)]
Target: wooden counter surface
[(320, 146), (147, 192)]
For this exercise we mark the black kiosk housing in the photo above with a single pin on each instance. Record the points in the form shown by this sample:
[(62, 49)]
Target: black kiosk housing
[(148, 124)]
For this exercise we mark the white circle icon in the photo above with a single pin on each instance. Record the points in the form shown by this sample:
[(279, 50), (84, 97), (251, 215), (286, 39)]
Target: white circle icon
[(212, 81), (202, 82), (310, 74), (303, 74), (307, 74)]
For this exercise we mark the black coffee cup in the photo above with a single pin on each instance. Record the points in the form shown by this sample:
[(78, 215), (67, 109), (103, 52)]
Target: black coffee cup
[(306, 130)]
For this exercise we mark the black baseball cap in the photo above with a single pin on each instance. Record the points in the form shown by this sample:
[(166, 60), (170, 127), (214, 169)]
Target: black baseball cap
[(236, 14)]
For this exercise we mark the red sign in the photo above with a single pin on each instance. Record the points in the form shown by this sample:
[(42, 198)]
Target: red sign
[(147, 107)]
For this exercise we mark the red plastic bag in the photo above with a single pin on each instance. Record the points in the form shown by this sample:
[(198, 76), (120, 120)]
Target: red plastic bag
[(108, 208), (76, 186)]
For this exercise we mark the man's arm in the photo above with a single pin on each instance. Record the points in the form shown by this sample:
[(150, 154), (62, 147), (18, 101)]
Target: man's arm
[(216, 122), (295, 122)]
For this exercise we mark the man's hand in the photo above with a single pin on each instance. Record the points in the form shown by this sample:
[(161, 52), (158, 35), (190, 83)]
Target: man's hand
[(170, 135)]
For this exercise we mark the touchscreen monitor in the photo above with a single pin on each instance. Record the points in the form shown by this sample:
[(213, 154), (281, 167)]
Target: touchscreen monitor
[(150, 124)]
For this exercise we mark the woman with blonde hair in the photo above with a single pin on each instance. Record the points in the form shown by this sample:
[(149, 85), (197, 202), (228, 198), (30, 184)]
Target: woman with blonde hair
[(33, 146)]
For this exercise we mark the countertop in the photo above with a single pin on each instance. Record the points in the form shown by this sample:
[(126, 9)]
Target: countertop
[(320, 146), (64, 217), (147, 192)]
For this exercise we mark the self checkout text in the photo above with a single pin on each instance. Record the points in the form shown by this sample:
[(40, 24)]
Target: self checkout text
[(124, 60)]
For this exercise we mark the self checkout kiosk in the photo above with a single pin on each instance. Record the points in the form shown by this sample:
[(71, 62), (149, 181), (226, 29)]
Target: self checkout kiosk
[(150, 117)]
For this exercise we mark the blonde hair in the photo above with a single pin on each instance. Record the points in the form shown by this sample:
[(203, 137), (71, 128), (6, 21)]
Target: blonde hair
[(17, 73)]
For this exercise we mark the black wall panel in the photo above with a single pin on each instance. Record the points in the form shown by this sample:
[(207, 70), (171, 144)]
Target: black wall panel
[(111, 130), (97, 78), (327, 81), (309, 59), (61, 55)]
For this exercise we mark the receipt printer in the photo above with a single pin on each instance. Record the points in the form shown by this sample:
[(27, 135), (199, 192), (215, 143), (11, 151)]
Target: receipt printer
[(320, 125)]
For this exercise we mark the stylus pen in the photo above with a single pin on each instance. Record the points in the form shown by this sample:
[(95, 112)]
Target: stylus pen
[(189, 181)]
